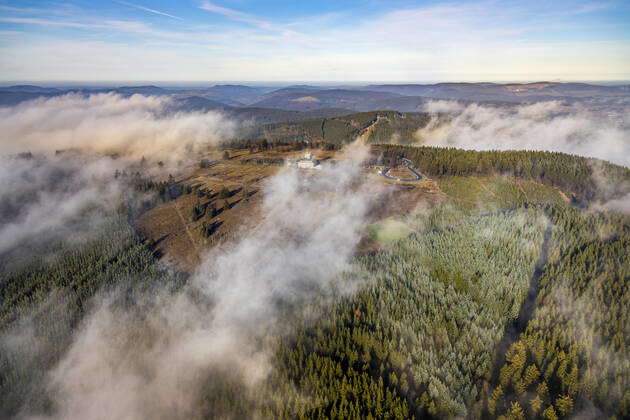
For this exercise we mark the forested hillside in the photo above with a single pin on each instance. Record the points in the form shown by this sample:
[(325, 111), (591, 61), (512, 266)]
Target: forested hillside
[(573, 356), (393, 351), (44, 297), (419, 341), (377, 126), (589, 179), (502, 300)]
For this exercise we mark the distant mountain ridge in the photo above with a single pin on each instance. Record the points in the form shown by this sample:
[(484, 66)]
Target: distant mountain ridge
[(397, 97), (513, 92), (301, 99), (29, 89)]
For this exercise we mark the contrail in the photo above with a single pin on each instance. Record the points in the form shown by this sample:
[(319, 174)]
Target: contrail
[(146, 9)]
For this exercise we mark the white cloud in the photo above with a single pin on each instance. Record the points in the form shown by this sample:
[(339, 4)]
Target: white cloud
[(234, 14), (109, 123), (42, 196), (239, 16), (470, 41), (541, 126), (55, 198), (50, 22), (156, 358)]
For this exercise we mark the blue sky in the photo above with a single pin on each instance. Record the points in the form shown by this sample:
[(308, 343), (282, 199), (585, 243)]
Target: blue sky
[(344, 41)]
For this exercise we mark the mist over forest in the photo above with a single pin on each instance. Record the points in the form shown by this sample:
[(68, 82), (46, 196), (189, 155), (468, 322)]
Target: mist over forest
[(161, 262), (403, 210)]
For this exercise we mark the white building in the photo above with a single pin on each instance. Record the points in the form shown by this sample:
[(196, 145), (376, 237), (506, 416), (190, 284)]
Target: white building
[(307, 162)]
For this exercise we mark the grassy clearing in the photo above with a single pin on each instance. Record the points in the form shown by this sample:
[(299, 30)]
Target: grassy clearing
[(494, 192), (542, 193), (179, 238), (388, 230)]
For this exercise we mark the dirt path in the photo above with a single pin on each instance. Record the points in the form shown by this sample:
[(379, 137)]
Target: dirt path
[(520, 187), (486, 188), (185, 225)]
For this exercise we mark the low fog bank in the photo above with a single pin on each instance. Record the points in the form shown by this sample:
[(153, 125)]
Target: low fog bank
[(167, 355), (618, 192), (69, 168), (549, 126), (58, 157), (108, 123), (59, 197), (621, 205)]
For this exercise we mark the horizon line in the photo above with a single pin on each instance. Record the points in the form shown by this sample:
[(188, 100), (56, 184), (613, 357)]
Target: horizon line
[(141, 82)]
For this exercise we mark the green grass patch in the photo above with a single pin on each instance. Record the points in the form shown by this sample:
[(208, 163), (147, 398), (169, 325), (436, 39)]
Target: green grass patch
[(495, 192), (388, 230)]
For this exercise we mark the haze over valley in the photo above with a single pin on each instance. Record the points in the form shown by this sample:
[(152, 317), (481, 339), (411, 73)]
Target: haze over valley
[(458, 248)]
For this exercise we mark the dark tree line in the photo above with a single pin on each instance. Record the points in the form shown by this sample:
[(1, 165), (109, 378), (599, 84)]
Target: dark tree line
[(589, 179)]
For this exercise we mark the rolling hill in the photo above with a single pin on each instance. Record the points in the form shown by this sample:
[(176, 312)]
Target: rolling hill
[(301, 99), (398, 97), (534, 282)]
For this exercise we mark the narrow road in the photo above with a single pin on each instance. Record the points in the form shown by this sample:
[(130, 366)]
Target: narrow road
[(406, 165), (367, 130)]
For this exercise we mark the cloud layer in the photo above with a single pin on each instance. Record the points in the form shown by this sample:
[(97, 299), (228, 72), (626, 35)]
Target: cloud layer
[(57, 194), (54, 198), (541, 126), (109, 123), (157, 358)]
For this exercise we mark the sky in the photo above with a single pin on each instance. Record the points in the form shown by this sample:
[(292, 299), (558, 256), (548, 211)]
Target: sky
[(349, 41)]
